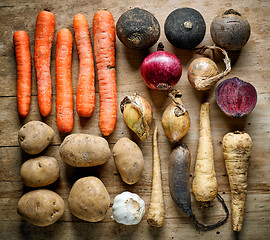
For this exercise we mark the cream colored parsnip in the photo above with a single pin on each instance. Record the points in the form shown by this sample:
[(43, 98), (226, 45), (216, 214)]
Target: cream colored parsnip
[(237, 150), (156, 213), (205, 185)]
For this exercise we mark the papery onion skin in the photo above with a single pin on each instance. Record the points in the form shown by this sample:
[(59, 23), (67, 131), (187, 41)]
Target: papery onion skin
[(201, 69), (175, 119), (161, 70), (235, 97), (137, 115)]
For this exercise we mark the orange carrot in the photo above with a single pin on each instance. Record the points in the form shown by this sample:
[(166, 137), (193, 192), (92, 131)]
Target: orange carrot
[(104, 47), (85, 100), (45, 25), (64, 95), (23, 58)]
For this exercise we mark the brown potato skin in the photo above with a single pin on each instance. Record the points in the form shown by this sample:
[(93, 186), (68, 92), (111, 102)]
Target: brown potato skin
[(129, 160), (35, 136), (84, 150), (89, 199), (41, 207), (40, 171)]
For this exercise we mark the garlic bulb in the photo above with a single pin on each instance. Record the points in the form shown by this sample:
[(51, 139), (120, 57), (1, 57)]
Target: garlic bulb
[(128, 208)]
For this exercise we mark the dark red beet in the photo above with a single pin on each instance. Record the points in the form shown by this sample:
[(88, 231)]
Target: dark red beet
[(236, 98)]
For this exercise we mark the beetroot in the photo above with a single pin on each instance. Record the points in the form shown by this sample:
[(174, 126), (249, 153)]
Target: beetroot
[(236, 98), (230, 30)]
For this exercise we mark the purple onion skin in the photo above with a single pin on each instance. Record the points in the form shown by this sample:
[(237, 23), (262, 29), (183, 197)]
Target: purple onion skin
[(161, 70), (236, 98)]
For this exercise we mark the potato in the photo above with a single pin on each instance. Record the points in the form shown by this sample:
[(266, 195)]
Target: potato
[(41, 207), (84, 150), (88, 199), (35, 136), (40, 171), (129, 160)]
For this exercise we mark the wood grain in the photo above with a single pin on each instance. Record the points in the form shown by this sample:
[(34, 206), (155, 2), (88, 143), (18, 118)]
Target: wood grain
[(251, 64)]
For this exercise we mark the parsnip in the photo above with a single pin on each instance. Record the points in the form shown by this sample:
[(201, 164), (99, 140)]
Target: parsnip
[(237, 150), (204, 184), (156, 213)]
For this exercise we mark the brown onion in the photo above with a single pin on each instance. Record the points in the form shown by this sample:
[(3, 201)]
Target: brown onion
[(203, 72), (137, 115), (175, 119)]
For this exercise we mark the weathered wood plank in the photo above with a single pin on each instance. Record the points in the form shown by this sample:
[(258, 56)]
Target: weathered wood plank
[(176, 225)]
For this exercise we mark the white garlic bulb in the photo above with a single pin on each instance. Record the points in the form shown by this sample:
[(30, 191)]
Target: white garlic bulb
[(128, 208)]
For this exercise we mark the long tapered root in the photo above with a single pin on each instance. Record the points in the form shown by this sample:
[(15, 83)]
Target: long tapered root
[(204, 184), (237, 150), (156, 213)]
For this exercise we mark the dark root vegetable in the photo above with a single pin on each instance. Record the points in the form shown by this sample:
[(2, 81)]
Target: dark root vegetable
[(179, 184), (138, 29), (203, 72), (236, 98), (185, 28), (161, 69), (230, 30)]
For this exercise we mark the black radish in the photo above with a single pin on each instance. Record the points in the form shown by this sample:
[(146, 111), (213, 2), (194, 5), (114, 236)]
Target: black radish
[(179, 184)]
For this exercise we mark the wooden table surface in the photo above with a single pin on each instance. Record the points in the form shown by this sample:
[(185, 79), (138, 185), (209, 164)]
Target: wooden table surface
[(251, 64)]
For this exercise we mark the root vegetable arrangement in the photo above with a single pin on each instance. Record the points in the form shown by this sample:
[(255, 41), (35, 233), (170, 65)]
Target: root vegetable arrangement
[(160, 71)]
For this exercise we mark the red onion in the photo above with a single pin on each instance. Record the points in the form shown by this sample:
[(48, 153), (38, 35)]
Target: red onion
[(161, 69)]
